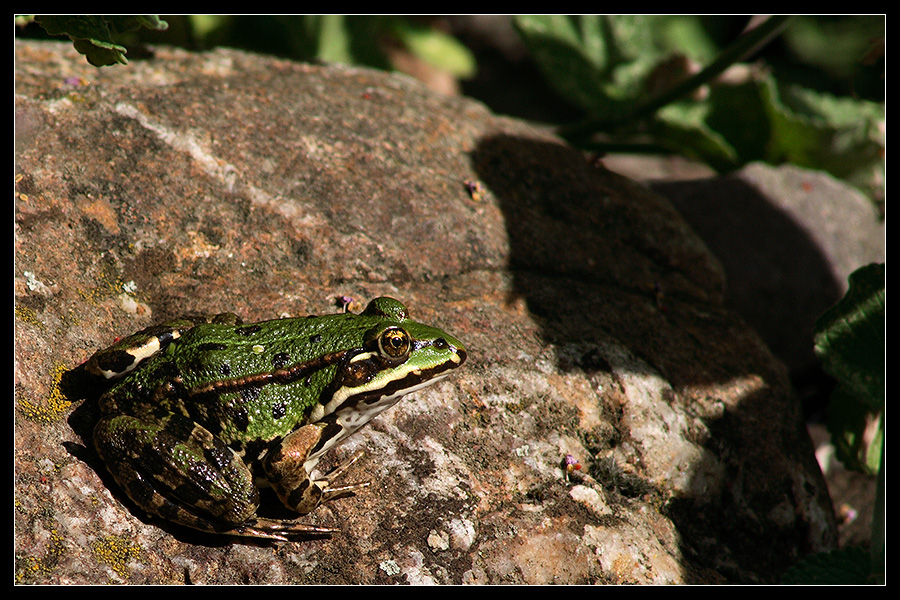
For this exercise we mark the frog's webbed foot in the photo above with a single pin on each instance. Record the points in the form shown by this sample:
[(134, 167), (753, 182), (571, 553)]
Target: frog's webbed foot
[(325, 483)]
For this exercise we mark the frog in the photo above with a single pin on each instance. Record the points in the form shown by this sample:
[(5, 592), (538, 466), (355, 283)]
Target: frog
[(203, 412)]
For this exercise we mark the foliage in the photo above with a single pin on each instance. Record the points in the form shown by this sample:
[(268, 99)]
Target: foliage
[(327, 38), (850, 341), (636, 76), (92, 35)]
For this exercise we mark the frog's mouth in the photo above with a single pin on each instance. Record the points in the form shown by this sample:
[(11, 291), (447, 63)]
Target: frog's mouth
[(414, 379), (357, 405)]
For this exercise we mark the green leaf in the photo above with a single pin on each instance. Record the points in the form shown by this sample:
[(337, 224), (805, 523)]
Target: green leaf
[(835, 45), (437, 48), (683, 127), (843, 136), (92, 35), (850, 341), (100, 53), (597, 62), (715, 129), (686, 35), (123, 24), (850, 338)]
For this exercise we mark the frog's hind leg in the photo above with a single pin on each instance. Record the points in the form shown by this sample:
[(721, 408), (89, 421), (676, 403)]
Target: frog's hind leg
[(176, 469)]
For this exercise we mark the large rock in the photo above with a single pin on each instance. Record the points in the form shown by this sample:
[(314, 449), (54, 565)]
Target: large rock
[(592, 314)]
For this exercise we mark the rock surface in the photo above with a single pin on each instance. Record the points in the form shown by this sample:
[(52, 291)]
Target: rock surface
[(593, 316), (788, 239)]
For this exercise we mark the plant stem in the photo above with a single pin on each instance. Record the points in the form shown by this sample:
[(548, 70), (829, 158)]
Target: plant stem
[(742, 47)]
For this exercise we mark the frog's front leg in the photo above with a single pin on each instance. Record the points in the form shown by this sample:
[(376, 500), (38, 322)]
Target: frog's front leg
[(286, 465), (174, 468)]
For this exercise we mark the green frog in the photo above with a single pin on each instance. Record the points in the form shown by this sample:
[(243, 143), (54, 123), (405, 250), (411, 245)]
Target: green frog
[(206, 410)]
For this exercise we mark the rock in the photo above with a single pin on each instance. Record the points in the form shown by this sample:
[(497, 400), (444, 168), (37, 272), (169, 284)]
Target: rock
[(593, 317), (788, 239)]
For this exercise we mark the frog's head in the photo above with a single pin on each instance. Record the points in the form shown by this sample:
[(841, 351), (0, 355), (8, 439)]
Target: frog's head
[(397, 356)]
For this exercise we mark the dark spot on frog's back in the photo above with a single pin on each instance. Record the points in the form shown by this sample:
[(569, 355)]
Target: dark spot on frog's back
[(212, 346), (279, 409), (250, 393), (248, 330), (315, 339), (239, 416), (166, 370), (280, 360)]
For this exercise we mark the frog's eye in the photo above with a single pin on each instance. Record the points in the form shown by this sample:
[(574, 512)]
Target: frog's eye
[(393, 343)]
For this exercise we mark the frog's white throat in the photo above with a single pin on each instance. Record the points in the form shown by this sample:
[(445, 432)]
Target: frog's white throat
[(353, 415)]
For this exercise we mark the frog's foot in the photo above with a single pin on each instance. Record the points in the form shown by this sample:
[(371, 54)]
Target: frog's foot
[(285, 531), (280, 531), (288, 462), (325, 483)]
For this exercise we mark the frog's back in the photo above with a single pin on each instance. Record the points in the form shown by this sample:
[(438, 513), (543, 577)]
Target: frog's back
[(211, 352), (251, 382)]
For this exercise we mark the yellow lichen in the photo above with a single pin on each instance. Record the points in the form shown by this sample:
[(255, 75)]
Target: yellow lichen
[(53, 407), (29, 568), (116, 552)]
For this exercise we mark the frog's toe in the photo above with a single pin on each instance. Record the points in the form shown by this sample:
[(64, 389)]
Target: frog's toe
[(343, 466), (344, 491), (331, 492), (282, 531)]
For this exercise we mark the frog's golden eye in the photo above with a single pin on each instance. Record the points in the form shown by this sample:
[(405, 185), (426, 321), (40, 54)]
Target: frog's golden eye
[(394, 343)]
